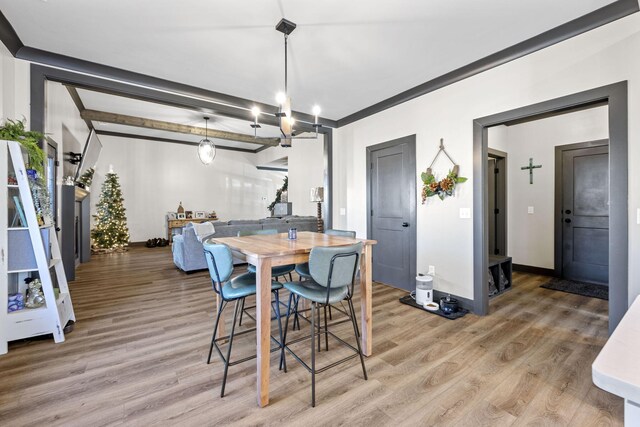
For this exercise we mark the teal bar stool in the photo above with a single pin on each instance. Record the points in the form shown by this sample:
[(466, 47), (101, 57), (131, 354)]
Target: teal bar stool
[(220, 264), (303, 271), (277, 271), (333, 271)]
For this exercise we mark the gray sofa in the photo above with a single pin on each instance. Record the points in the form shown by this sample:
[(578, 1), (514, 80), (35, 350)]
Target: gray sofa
[(188, 254)]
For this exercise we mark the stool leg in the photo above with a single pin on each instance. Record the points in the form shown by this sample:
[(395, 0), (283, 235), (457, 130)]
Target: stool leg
[(215, 329), (284, 364), (326, 331), (226, 362), (352, 314), (319, 329), (313, 355), (286, 328), (296, 318)]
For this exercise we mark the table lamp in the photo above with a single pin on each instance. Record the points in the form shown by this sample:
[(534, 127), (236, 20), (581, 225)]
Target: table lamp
[(317, 196)]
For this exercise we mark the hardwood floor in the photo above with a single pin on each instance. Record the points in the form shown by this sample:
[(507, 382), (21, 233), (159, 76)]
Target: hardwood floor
[(138, 353)]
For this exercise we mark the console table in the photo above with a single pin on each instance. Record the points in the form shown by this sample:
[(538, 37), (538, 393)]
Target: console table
[(180, 223)]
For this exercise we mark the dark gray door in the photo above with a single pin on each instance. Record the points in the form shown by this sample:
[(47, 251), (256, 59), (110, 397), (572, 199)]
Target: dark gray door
[(585, 214), (392, 183)]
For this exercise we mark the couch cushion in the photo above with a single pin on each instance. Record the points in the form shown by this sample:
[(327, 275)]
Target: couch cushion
[(242, 221)]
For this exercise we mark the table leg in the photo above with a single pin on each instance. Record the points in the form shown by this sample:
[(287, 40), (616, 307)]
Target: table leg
[(263, 331), (365, 300)]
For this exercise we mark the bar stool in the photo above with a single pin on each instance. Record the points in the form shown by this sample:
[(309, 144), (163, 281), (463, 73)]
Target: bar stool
[(333, 271), (220, 263)]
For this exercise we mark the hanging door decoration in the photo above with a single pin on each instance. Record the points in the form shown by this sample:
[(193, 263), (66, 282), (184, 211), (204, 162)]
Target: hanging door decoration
[(444, 187)]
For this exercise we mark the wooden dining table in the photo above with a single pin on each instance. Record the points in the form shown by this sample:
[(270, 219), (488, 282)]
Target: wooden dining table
[(267, 251)]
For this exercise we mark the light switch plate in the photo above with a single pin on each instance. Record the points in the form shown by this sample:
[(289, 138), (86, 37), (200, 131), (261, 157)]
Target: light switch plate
[(343, 211), (465, 213), (530, 210)]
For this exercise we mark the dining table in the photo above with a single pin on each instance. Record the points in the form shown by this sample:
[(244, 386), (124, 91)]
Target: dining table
[(265, 251)]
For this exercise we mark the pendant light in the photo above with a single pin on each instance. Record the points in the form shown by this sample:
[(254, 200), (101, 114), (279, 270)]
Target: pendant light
[(206, 148)]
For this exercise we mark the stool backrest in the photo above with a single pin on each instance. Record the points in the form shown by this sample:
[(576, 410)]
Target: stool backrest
[(243, 233), (345, 233), (335, 267), (219, 261)]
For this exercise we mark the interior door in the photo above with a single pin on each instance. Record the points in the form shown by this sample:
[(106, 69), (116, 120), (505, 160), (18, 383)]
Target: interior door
[(585, 214), (392, 221)]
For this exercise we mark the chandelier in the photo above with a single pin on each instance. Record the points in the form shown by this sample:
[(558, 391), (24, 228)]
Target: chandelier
[(285, 118)]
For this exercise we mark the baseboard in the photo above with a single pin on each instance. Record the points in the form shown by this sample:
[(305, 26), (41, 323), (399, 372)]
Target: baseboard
[(533, 270)]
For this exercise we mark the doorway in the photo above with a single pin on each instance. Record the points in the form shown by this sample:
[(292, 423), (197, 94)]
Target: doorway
[(391, 206), (497, 188), (582, 212), (615, 97)]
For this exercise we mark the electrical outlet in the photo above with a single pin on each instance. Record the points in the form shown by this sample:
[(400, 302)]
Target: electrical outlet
[(432, 270), (530, 210), (343, 211), (465, 213)]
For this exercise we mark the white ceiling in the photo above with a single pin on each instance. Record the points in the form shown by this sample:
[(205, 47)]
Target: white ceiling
[(344, 55)]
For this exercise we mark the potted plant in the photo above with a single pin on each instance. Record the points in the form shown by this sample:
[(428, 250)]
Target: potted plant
[(14, 131)]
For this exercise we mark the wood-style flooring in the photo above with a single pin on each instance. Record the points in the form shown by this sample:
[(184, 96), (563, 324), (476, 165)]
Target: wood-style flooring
[(138, 353)]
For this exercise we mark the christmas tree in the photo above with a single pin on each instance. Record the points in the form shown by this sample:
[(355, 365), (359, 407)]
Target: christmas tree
[(110, 231)]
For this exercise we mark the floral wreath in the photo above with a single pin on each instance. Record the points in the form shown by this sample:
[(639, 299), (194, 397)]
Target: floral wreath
[(444, 187)]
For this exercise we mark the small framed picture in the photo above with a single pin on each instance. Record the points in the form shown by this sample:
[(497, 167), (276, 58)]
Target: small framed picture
[(189, 214), (171, 215), (181, 216), (200, 214)]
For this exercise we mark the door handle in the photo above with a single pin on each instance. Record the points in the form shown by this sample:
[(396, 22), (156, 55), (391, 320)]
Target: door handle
[(567, 220), (568, 211), (405, 224)]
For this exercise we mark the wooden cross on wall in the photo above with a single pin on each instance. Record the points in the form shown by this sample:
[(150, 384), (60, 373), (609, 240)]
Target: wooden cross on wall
[(531, 167)]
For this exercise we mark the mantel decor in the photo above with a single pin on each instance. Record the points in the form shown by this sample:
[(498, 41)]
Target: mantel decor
[(444, 187)]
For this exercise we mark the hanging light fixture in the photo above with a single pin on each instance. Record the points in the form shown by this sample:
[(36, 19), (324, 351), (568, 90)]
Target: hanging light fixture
[(285, 118), (206, 148)]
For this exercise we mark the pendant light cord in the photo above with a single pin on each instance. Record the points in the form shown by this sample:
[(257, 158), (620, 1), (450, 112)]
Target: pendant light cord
[(286, 92)]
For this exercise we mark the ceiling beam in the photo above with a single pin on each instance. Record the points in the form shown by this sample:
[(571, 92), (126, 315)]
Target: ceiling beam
[(121, 119), (173, 141)]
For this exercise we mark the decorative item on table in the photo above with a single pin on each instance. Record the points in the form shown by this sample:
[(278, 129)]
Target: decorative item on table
[(110, 232), (181, 215), (317, 196), (84, 181), (200, 215), (189, 214), (448, 305), (16, 302), (293, 234), (444, 187), (171, 216), (212, 215), (180, 208), (284, 187), (11, 179), (35, 297)]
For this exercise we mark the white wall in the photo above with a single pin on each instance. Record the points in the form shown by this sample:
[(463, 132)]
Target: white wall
[(156, 176), (14, 87), (531, 236), (306, 170), (603, 56)]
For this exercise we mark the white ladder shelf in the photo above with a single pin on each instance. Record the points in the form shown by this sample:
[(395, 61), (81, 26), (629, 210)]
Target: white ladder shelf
[(52, 317)]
